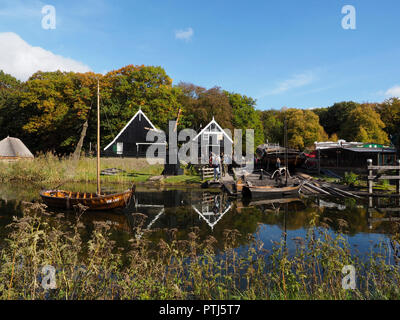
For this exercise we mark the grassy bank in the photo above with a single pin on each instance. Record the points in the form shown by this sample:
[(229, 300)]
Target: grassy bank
[(48, 169), (185, 269)]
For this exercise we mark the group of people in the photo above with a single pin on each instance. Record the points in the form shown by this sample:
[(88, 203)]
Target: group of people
[(220, 164)]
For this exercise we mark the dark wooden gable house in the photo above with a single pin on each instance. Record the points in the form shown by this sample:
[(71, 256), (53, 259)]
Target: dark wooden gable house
[(212, 138), (131, 141)]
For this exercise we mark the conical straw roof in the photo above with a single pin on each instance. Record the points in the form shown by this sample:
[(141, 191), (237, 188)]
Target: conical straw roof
[(14, 148)]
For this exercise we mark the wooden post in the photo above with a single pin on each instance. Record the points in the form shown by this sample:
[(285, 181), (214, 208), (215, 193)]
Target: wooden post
[(369, 162), (319, 162), (398, 181), (98, 138)]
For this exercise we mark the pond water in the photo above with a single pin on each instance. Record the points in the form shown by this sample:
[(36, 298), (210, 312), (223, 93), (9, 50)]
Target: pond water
[(213, 212)]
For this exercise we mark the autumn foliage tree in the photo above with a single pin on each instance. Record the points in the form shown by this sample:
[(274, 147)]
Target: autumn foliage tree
[(200, 105), (58, 103), (364, 124), (389, 111), (303, 127)]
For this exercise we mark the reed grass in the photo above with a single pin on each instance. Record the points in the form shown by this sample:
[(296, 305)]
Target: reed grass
[(50, 169), (183, 269)]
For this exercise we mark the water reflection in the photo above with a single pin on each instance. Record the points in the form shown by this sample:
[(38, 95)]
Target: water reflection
[(213, 212), (212, 207)]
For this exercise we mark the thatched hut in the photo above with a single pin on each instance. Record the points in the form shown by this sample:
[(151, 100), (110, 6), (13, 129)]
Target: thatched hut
[(14, 149)]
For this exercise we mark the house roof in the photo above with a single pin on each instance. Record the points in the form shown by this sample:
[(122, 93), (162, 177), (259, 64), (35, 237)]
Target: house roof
[(141, 113), (377, 150), (14, 148), (217, 125)]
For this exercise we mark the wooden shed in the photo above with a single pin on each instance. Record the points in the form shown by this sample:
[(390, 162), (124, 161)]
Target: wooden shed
[(131, 140)]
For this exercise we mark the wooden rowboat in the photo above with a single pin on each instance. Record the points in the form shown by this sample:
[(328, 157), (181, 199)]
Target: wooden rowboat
[(254, 192), (66, 200)]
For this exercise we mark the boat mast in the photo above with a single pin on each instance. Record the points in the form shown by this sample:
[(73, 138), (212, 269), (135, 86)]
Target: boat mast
[(286, 151), (98, 138)]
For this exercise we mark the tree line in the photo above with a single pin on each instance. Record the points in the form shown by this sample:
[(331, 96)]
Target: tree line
[(49, 110)]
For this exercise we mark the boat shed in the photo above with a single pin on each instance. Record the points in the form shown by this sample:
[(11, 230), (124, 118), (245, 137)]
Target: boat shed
[(131, 140), (14, 149), (212, 138), (354, 154)]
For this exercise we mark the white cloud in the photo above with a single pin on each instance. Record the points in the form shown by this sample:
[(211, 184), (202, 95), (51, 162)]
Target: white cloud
[(296, 81), (393, 92), (184, 34), (21, 60)]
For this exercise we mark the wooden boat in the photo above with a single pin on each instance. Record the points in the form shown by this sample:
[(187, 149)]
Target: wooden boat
[(254, 192), (66, 199), (94, 201)]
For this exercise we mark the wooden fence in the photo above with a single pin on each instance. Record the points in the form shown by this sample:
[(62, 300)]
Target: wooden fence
[(381, 176), (206, 173)]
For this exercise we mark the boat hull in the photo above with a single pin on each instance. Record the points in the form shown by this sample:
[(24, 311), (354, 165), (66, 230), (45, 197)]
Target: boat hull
[(67, 200), (257, 192)]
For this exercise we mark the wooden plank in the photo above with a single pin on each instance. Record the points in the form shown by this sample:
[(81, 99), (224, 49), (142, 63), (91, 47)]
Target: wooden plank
[(309, 189), (383, 219), (383, 177), (383, 168), (388, 209), (316, 188)]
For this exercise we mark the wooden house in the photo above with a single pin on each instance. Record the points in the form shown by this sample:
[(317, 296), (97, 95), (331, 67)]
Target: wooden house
[(131, 140), (212, 138)]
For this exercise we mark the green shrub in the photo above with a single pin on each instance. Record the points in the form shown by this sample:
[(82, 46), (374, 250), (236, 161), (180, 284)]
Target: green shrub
[(351, 179)]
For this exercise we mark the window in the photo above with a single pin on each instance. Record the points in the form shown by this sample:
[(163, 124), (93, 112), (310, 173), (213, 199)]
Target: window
[(120, 147)]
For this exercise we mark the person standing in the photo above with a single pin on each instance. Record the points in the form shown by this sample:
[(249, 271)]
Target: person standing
[(222, 165), (226, 163), (215, 165), (278, 163)]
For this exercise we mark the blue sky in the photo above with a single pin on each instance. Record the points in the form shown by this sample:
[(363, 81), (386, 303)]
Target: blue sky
[(283, 53)]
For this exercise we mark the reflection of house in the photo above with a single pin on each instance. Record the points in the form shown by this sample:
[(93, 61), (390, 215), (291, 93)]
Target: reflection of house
[(212, 208), (354, 154), (14, 149), (131, 141), (212, 138)]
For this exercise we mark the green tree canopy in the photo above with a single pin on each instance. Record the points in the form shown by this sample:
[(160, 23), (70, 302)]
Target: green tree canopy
[(332, 118), (126, 90), (302, 126), (200, 105), (364, 124), (57, 104), (389, 111), (245, 116), (11, 119)]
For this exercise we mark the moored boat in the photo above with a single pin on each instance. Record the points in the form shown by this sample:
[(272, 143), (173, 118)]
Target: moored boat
[(66, 200), (255, 192)]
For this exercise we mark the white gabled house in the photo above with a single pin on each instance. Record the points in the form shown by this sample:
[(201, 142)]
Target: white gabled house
[(212, 138)]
